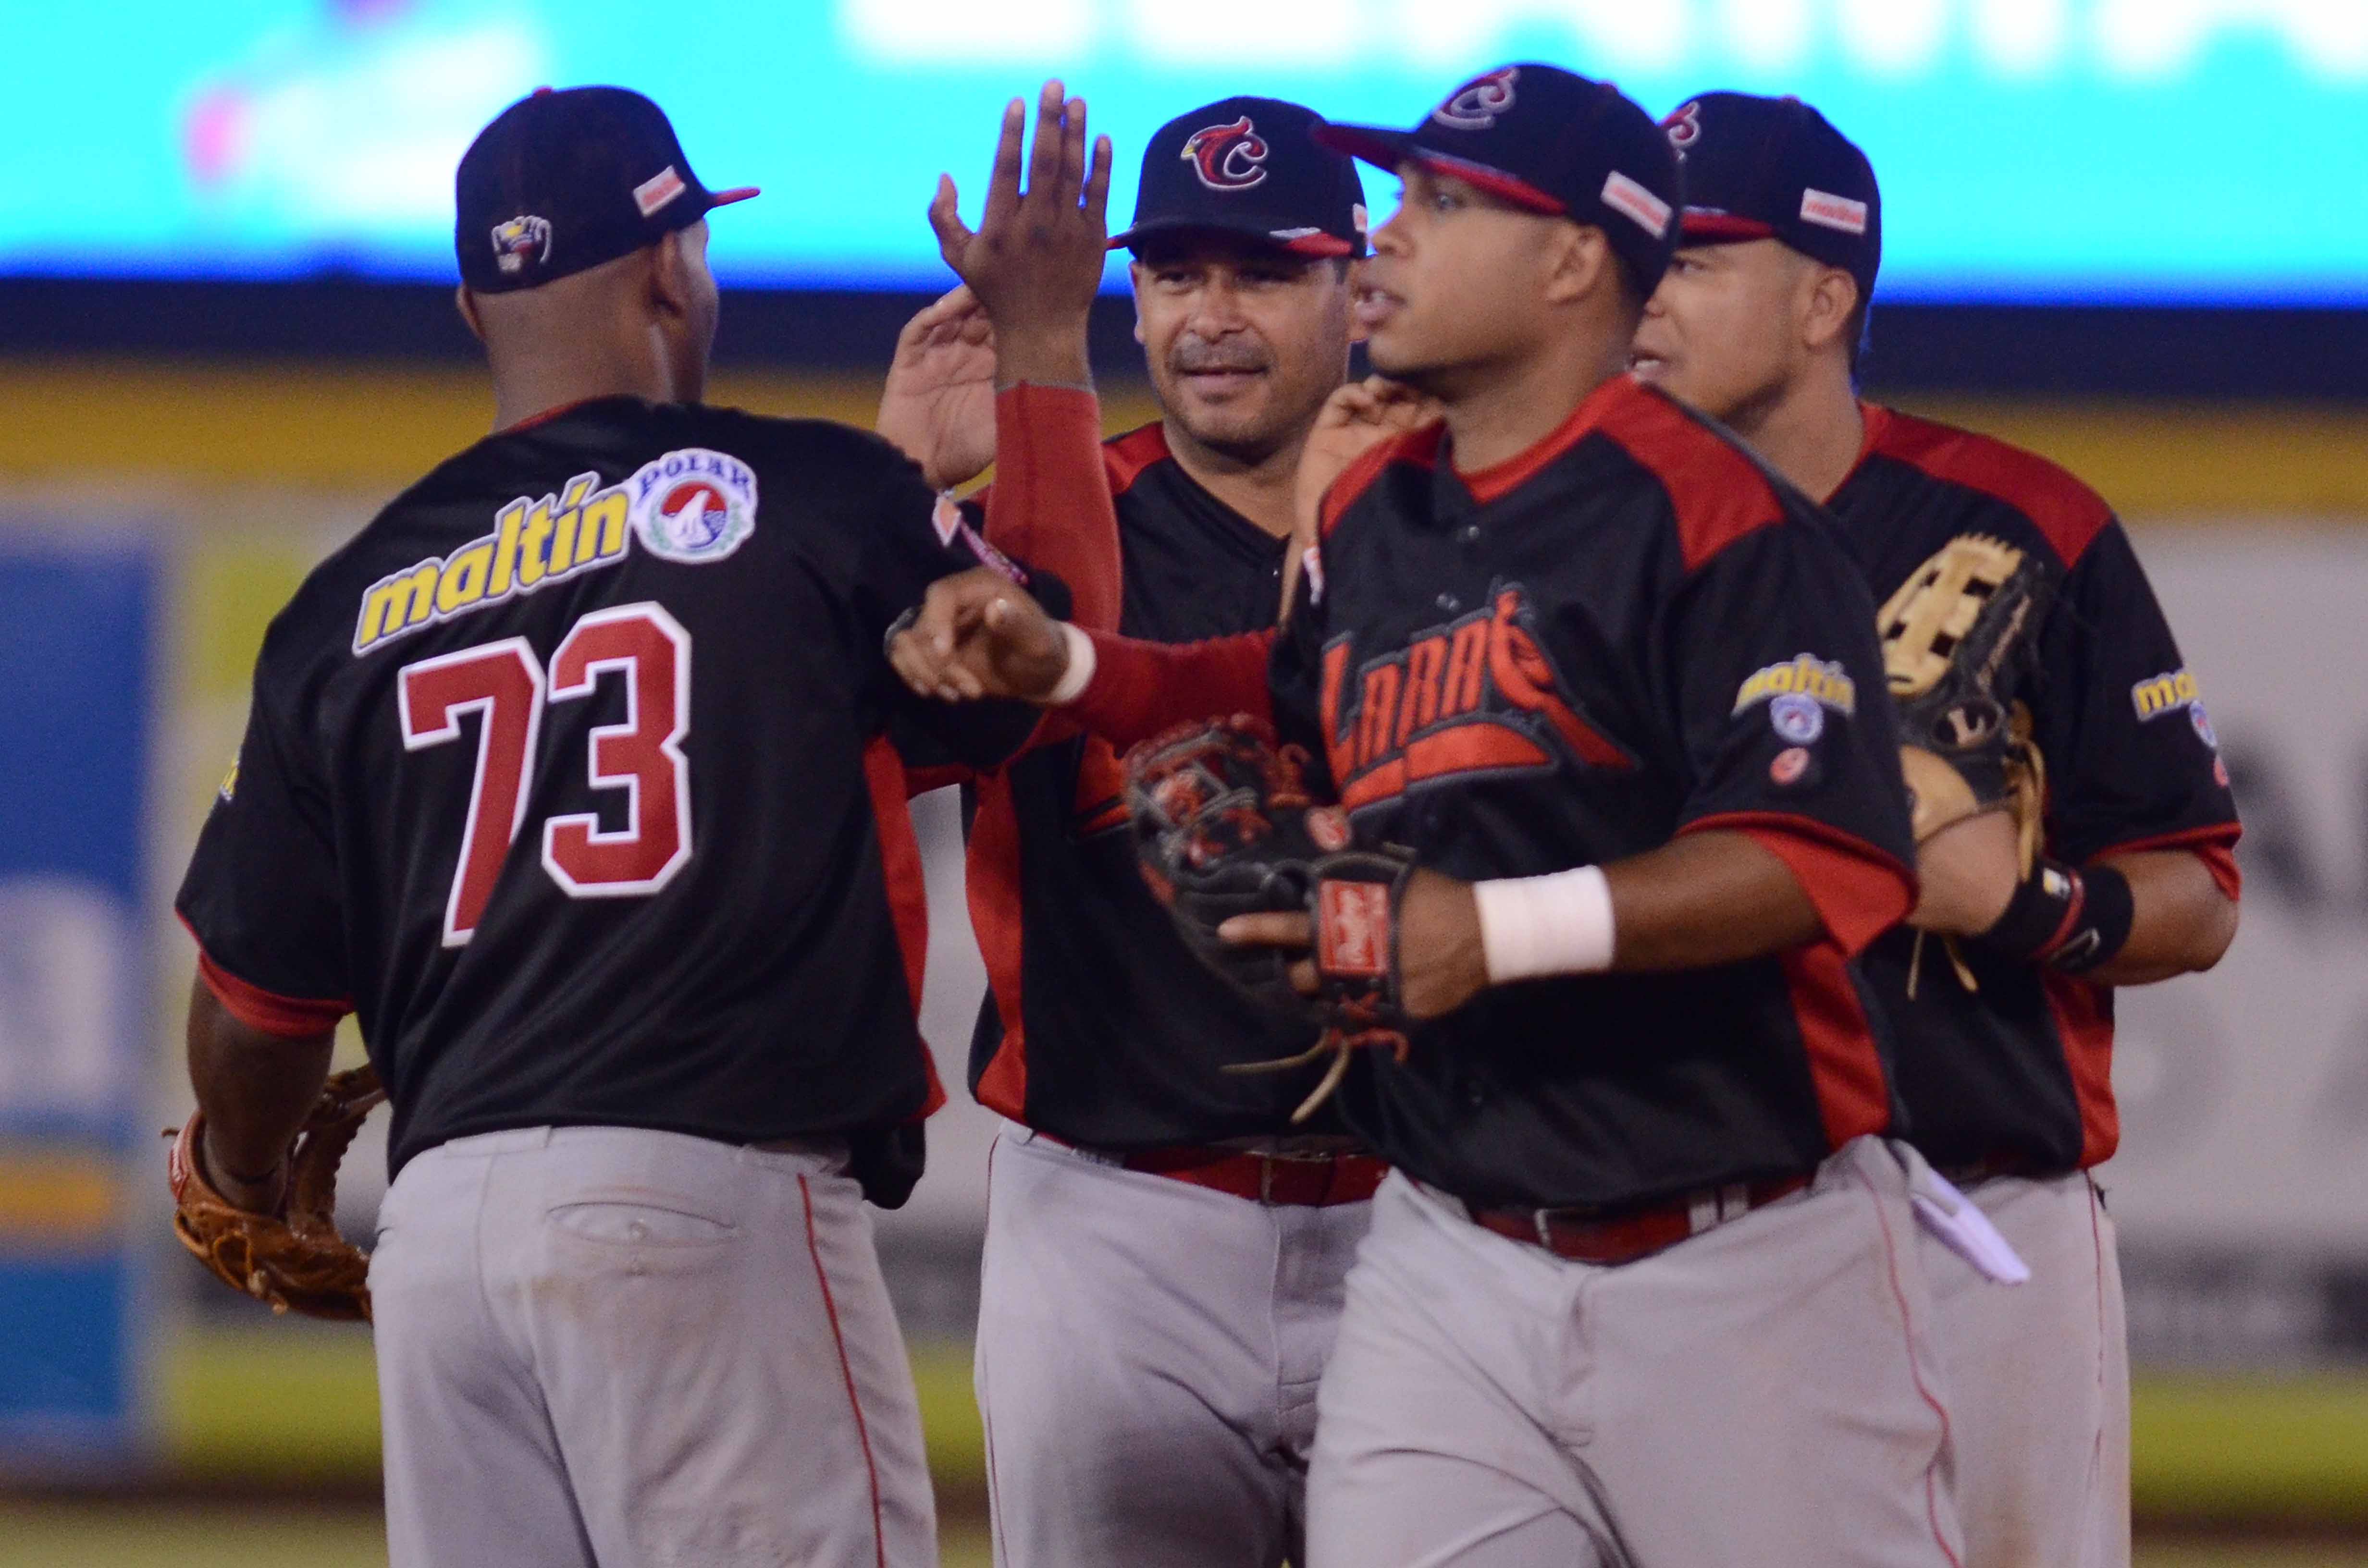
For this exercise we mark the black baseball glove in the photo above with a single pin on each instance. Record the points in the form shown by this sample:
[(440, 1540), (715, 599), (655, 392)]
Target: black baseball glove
[(1224, 826)]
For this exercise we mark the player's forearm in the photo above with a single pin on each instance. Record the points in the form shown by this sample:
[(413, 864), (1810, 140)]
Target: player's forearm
[(2180, 921), (1704, 899), (253, 1089), (1136, 689), (1050, 503)]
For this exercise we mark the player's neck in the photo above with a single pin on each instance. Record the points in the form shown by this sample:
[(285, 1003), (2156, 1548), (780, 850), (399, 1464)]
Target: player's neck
[(533, 386), (1259, 488), (1812, 432), (1499, 413)]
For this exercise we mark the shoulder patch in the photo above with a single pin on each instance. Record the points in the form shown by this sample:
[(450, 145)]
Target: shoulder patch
[(2067, 512), (694, 505)]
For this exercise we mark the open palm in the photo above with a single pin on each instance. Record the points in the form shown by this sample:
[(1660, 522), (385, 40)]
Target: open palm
[(938, 403)]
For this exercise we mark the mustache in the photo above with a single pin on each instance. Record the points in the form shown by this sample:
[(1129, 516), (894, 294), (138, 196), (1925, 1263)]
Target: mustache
[(1191, 354)]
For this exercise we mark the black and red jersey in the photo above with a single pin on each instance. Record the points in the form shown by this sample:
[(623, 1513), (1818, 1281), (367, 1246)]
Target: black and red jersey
[(1101, 1027), (1629, 632), (2017, 1076), (566, 776)]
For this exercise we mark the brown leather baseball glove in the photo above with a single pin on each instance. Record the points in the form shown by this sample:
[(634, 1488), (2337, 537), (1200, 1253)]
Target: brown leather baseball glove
[(293, 1257)]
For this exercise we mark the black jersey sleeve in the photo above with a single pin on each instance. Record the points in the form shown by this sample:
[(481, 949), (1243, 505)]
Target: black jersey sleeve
[(2131, 759), (261, 894), (1775, 686)]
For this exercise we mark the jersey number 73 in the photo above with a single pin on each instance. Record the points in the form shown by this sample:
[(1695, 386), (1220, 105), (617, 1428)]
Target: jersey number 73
[(504, 685)]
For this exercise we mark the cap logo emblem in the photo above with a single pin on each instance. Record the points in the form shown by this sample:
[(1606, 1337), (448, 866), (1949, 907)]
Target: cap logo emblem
[(520, 240), (1631, 200), (1832, 211), (1227, 157), (1684, 127), (1475, 104), (657, 190)]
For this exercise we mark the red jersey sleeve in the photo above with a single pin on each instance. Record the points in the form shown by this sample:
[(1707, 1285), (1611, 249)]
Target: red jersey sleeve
[(1050, 503)]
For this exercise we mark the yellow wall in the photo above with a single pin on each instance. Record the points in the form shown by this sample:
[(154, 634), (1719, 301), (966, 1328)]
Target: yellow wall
[(365, 427)]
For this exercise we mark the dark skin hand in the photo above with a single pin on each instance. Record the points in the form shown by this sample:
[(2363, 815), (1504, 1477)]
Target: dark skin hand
[(1699, 901), (255, 1090), (1035, 261)]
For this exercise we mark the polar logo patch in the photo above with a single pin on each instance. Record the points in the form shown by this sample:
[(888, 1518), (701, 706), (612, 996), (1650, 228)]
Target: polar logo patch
[(1797, 717), (695, 505)]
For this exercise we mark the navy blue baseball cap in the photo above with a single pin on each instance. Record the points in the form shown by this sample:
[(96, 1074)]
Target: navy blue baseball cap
[(563, 181), (1775, 169), (1249, 166), (1552, 141)]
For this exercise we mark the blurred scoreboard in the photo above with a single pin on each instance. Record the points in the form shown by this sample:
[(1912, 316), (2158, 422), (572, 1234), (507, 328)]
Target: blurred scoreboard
[(2109, 151)]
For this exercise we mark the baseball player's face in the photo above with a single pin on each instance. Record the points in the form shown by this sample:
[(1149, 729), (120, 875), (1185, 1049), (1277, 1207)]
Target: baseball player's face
[(1457, 280), (1244, 342), (1723, 332)]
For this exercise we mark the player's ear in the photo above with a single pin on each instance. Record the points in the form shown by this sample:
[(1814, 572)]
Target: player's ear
[(466, 303), (1827, 307), (667, 283), (1577, 263)]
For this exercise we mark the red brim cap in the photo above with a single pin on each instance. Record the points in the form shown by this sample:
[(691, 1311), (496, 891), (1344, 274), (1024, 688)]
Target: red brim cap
[(716, 198), (1701, 227), (1393, 150)]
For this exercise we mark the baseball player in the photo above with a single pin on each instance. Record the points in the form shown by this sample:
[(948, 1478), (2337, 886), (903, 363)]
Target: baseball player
[(1643, 1287), (567, 776), (1163, 1266), (2005, 1071)]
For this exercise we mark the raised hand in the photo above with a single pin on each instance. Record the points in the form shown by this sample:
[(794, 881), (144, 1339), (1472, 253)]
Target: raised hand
[(938, 404), (1035, 261), (977, 635)]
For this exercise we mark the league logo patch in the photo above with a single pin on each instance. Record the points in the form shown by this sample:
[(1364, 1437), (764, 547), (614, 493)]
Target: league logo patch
[(1789, 765), (520, 240), (655, 192), (1329, 826), (2202, 722), (1475, 104), (1797, 717), (1227, 157), (693, 505), (1631, 200), (1831, 212)]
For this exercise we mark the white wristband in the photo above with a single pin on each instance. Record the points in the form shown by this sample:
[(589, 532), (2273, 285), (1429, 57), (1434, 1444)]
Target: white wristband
[(1080, 673), (1553, 925)]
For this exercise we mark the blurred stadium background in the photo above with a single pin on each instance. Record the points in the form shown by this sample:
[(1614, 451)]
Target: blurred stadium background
[(2126, 233)]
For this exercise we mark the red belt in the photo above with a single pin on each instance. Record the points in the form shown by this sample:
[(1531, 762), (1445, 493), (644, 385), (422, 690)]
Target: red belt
[(1316, 1181), (1623, 1238)]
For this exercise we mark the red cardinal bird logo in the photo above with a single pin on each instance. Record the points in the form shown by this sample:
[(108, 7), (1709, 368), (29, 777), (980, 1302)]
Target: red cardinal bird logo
[(1228, 157)]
